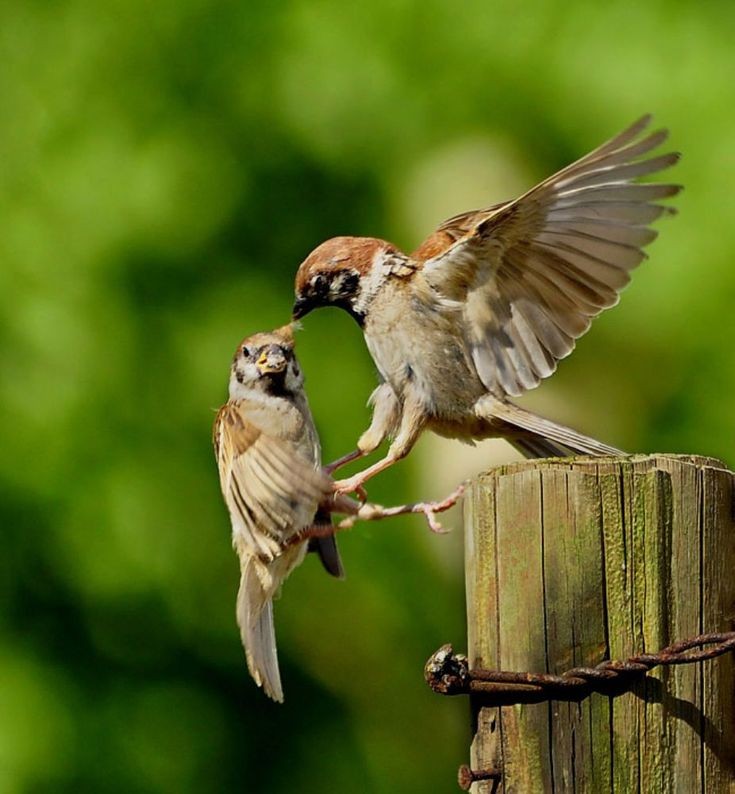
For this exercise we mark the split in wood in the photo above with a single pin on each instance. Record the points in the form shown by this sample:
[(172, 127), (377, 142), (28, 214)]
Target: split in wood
[(448, 673)]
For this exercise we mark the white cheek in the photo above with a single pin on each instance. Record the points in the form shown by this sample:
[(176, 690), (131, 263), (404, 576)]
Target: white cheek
[(377, 273), (242, 380), (371, 282), (294, 379)]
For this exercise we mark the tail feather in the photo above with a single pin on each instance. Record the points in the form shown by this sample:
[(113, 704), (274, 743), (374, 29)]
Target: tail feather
[(255, 619), (326, 547), (328, 552), (537, 437), (538, 447)]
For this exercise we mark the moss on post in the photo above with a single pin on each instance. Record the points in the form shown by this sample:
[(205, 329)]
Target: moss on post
[(570, 562)]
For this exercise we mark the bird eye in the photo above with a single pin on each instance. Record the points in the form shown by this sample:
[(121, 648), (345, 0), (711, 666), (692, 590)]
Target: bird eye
[(246, 351), (320, 283)]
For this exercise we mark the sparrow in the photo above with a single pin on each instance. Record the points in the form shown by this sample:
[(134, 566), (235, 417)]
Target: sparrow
[(488, 304), (279, 498)]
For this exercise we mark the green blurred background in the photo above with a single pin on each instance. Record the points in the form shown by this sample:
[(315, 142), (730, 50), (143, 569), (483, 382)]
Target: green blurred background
[(164, 168)]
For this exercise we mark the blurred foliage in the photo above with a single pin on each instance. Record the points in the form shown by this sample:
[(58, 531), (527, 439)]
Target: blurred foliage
[(165, 167)]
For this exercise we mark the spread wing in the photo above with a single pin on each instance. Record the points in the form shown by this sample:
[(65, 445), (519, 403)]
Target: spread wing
[(530, 274), (270, 490)]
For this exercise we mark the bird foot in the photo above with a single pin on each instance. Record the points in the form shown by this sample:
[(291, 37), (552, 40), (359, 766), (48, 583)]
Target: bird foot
[(351, 485), (372, 512), (430, 509), (429, 512)]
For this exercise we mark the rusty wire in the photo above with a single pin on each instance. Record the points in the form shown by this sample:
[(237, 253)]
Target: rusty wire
[(448, 673), (466, 776)]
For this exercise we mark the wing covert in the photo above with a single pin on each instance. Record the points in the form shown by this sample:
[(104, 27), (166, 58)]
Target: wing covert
[(271, 491), (532, 273)]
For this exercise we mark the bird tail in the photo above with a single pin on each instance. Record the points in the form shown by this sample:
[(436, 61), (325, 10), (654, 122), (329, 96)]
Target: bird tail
[(531, 446), (326, 547), (537, 437), (328, 552), (258, 585)]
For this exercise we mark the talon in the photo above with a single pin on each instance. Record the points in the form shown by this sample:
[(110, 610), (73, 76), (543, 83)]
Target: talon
[(350, 486), (434, 525)]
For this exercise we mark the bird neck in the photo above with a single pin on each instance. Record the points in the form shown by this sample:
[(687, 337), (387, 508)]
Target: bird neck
[(385, 266)]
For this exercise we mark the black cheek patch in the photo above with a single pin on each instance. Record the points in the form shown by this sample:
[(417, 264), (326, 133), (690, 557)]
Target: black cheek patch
[(358, 317), (320, 288), (239, 376), (349, 285)]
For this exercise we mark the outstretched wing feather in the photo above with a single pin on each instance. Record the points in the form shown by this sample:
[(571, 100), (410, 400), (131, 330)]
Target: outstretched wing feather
[(270, 490), (532, 273)]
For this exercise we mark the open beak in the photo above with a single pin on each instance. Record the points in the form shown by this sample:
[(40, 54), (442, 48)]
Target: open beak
[(302, 307), (271, 361)]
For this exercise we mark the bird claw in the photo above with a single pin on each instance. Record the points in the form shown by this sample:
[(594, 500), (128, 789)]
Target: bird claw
[(435, 526), (351, 485), (372, 512), (430, 509)]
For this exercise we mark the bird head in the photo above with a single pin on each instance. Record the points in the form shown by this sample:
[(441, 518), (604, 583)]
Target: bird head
[(336, 274), (266, 362)]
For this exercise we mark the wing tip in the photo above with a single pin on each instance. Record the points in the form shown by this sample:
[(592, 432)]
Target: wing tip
[(667, 160)]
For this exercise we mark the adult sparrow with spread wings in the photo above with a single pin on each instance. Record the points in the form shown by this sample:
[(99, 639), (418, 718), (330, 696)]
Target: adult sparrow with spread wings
[(279, 499), (492, 300)]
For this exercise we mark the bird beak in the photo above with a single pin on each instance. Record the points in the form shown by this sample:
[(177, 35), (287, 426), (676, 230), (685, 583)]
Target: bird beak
[(271, 361), (302, 307)]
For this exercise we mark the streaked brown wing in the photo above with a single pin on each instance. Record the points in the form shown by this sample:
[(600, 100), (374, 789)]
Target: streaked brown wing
[(270, 490), (450, 231), (532, 273)]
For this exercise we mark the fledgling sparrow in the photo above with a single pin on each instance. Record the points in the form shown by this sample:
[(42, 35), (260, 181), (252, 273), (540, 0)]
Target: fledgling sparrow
[(279, 499), (491, 301)]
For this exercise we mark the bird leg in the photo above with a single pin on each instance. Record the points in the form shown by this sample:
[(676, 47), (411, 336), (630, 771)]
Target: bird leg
[(330, 468), (312, 531), (412, 422), (355, 484), (386, 418), (372, 512)]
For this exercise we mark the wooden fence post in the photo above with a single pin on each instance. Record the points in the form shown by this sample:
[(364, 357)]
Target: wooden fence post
[(570, 562)]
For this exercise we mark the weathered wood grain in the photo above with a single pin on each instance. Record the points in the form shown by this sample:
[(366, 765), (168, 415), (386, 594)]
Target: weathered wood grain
[(570, 562)]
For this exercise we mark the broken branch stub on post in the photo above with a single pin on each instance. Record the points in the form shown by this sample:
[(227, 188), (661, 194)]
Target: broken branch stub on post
[(570, 563)]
